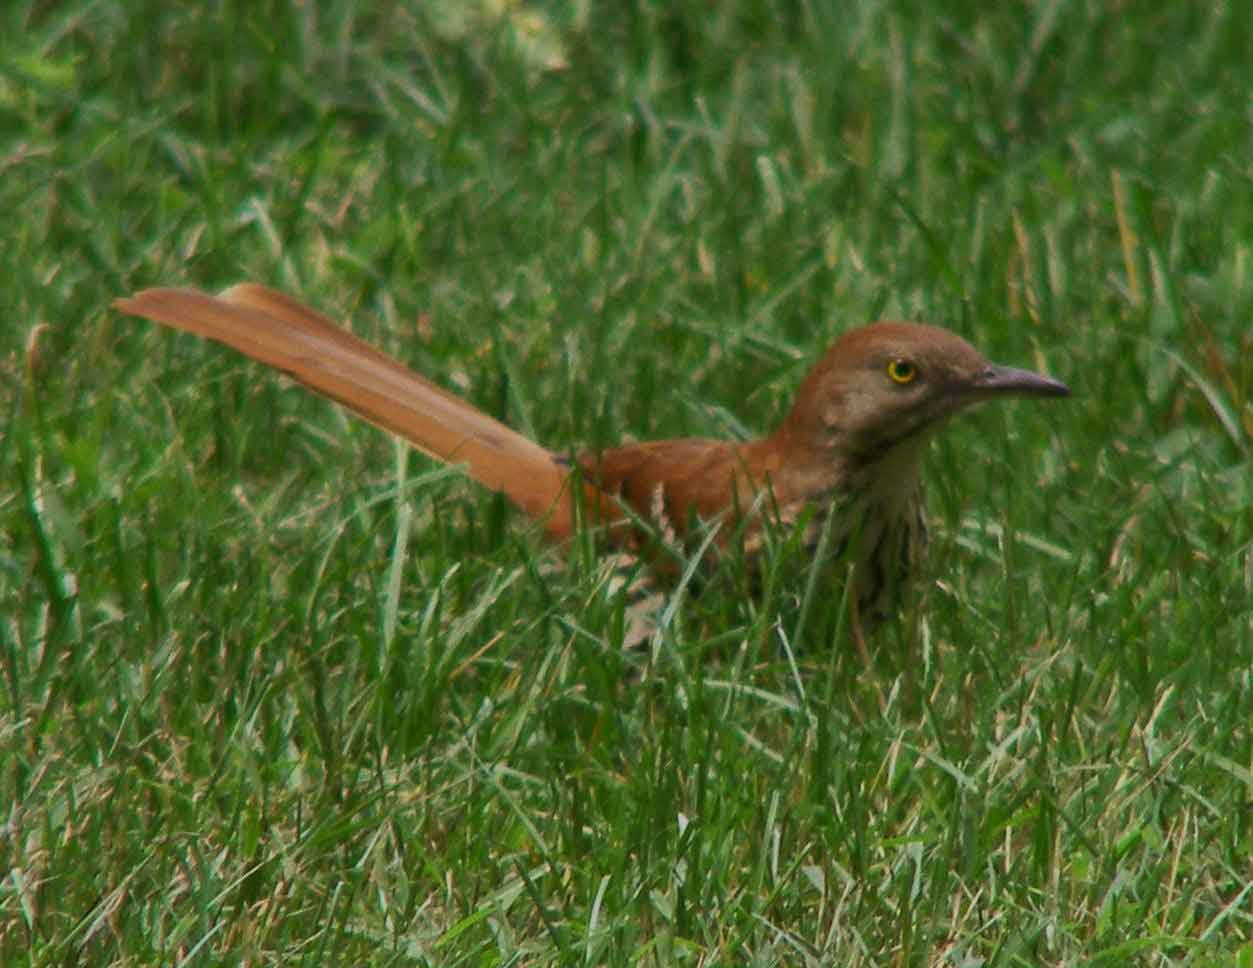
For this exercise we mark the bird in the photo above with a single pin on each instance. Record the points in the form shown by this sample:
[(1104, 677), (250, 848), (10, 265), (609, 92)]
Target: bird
[(844, 463)]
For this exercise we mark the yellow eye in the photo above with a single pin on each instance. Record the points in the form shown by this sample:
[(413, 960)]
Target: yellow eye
[(902, 371)]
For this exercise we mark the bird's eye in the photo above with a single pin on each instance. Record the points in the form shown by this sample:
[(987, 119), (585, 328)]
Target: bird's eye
[(902, 372)]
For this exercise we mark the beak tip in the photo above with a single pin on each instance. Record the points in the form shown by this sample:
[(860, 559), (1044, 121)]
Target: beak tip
[(1049, 387)]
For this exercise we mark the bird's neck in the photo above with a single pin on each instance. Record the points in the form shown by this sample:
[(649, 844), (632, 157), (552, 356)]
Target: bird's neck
[(870, 509), (891, 480), (798, 470)]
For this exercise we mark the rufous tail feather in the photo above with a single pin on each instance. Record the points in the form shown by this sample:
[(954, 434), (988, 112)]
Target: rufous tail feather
[(281, 332)]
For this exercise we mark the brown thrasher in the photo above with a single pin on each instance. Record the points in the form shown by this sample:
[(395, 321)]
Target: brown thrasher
[(846, 457)]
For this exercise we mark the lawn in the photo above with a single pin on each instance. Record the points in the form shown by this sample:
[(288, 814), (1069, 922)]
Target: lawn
[(279, 690)]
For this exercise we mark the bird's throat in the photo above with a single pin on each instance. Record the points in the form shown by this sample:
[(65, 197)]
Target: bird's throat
[(892, 481)]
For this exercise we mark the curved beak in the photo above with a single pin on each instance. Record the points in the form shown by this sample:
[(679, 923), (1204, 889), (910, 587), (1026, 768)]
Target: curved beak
[(1007, 381)]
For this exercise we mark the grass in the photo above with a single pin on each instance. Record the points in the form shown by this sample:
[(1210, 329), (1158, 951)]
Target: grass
[(276, 690)]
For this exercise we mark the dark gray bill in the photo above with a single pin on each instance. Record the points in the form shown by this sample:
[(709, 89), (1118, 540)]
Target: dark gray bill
[(998, 380)]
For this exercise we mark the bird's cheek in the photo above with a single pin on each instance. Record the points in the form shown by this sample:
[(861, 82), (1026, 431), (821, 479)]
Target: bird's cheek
[(845, 411)]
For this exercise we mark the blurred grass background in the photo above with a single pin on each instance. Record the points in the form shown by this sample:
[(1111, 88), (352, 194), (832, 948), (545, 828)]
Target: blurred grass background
[(276, 691)]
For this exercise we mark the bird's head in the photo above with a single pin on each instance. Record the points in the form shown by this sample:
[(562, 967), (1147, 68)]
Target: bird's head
[(887, 383)]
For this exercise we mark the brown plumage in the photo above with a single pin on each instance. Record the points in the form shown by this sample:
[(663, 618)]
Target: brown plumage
[(851, 445)]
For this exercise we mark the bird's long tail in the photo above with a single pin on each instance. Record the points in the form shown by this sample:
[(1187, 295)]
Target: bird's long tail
[(283, 333)]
